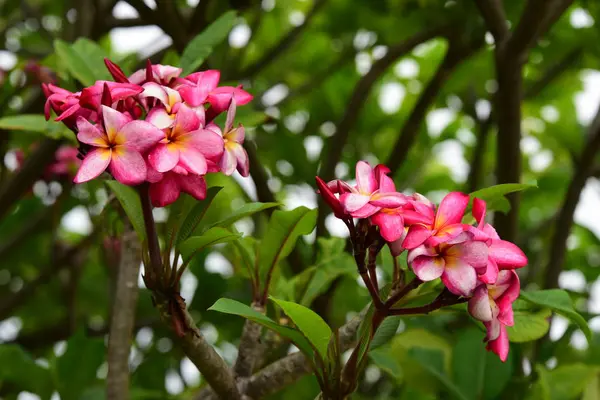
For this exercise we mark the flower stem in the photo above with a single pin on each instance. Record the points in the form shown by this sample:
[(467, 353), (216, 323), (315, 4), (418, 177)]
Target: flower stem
[(154, 270), (402, 292)]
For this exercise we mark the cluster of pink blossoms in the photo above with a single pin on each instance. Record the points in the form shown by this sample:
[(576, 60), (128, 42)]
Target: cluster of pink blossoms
[(154, 127), (472, 261)]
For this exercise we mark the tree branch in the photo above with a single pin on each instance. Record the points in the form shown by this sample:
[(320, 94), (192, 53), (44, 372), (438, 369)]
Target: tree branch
[(457, 52), (32, 169), (270, 55), (123, 316), (564, 222), (249, 346), (494, 16)]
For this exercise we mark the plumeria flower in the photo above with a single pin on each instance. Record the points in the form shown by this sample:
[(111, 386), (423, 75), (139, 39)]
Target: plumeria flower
[(64, 103), (492, 304), (169, 98), (234, 155), (446, 225), (91, 97), (456, 261), (186, 144), (117, 147), (328, 192), (367, 198), (66, 162), (389, 220), (501, 253), (166, 188), (161, 74)]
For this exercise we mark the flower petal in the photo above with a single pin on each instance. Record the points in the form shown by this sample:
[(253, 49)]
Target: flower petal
[(230, 116), (353, 201), (388, 200), (473, 253), (491, 272), (479, 209), (164, 192), (186, 121), (192, 160), (128, 166), (391, 226), (445, 234), (90, 134), (365, 178), (243, 164), (396, 247), (140, 135), (113, 122), (163, 157), (94, 163), (416, 236), (153, 89), (479, 305), (206, 141), (415, 217), (220, 97), (500, 345), (228, 162), (365, 211), (459, 277), (193, 185), (451, 209), (160, 118), (428, 268), (507, 255)]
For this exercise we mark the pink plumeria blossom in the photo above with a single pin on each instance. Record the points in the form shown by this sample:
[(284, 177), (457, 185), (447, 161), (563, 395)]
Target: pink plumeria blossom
[(161, 74), (65, 164), (234, 154), (446, 225), (501, 253), (166, 188), (492, 304), (366, 198), (389, 220), (170, 98), (456, 261), (186, 144), (116, 147), (328, 192), (91, 97), (64, 103)]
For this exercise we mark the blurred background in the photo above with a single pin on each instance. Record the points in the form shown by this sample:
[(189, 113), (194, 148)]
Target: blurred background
[(409, 83)]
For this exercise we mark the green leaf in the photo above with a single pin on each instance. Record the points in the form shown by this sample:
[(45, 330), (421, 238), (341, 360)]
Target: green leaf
[(433, 362), (495, 198), (211, 237), (93, 56), (309, 323), (19, 369), (567, 382), (558, 300), (200, 47), (387, 362), (36, 123), (74, 376), (386, 331), (228, 306), (130, 201), (246, 247), (528, 326), (282, 232), (193, 217), (77, 62), (245, 211)]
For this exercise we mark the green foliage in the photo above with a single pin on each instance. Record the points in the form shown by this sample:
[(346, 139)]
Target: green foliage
[(528, 326), (83, 60), (564, 383), (192, 213), (245, 211), (195, 244), (22, 371), (130, 201), (35, 123), (494, 196)]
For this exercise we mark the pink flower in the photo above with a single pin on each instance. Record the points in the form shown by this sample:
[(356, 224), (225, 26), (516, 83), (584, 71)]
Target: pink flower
[(66, 162), (389, 220), (91, 97), (456, 261), (367, 197), (328, 191), (161, 74), (501, 253), (234, 155), (446, 225), (117, 147), (186, 144), (64, 103), (170, 98), (492, 304), (166, 188)]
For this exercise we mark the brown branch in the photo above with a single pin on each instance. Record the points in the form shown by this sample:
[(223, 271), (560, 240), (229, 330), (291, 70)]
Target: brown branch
[(564, 222), (335, 144), (123, 316), (457, 52), (32, 169), (494, 16), (285, 43), (249, 346)]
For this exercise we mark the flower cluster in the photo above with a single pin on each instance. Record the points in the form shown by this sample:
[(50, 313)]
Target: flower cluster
[(156, 127), (472, 261)]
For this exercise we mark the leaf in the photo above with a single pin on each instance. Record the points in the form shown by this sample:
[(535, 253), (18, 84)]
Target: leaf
[(130, 201), (243, 212), (528, 326), (433, 362), (246, 247), (495, 198), (77, 63), (282, 232), (76, 368), (200, 47), (309, 323), (193, 217), (19, 369), (228, 306), (93, 56), (211, 237), (387, 362), (563, 383), (386, 331), (558, 300), (35, 123)]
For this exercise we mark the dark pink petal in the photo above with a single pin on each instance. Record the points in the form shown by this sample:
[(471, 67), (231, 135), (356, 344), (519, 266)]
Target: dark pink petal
[(68, 112), (328, 195), (128, 167), (186, 121), (153, 175), (386, 184), (451, 210), (479, 209), (140, 135), (94, 163), (506, 315), (511, 280), (230, 116), (479, 305), (353, 202), (243, 164), (391, 226), (205, 140), (113, 122), (365, 211), (507, 255), (192, 160), (154, 90), (473, 253), (165, 73), (428, 268), (477, 234), (193, 185), (445, 234), (459, 277), (490, 231), (115, 71), (388, 200), (163, 157), (164, 192), (160, 118), (491, 273), (414, 217), (220, 97), (90, 134), (365, 178), (500, 345), (396, 247), (208, 79), (416, 236)]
